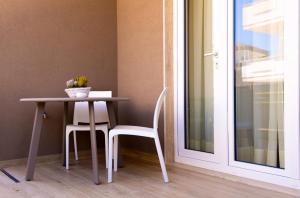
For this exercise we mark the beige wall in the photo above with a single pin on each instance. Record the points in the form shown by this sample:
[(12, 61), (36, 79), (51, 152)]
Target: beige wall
[(140, 64), (43, 43)]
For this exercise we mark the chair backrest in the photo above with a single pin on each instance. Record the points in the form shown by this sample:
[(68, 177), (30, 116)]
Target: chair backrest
[(158, 107), (81, 110)]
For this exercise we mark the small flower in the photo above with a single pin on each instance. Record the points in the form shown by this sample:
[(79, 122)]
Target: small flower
[(70, 83), (80, 81)]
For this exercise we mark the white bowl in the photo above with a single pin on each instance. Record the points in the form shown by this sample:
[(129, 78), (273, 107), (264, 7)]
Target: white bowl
[(81, 92)]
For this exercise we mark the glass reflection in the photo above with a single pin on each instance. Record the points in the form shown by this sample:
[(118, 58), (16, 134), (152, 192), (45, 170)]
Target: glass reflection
[(259, 82)]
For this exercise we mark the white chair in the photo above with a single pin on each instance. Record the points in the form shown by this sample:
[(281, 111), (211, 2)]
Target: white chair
[(137, 131), (81, 115)]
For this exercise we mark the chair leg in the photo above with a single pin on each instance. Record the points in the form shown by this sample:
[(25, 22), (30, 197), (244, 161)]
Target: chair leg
[(75, 145), (106, 146), (161, 159), (67, 149), (116, 153), (110, 150)]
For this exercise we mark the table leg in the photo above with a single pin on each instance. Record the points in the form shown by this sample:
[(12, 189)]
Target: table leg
[(113, 123), (93, 143), (65, 122), (35, 140)]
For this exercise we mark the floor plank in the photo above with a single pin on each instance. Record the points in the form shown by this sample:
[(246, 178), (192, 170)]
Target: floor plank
[(137, 179)]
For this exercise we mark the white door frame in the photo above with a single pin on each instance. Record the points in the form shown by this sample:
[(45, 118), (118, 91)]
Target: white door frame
[(220, 84), (291, 94), (290, 175)]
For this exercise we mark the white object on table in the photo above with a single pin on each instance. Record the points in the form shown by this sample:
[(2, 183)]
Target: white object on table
[(79, 92), (81, 115), (137, 131)]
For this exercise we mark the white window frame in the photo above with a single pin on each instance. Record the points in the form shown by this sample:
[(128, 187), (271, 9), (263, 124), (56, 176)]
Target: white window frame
[(291, 94), (220, 97), (290, 175)]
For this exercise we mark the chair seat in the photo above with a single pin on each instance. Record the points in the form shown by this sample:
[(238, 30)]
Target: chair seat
[(132, 130), (72, 127)]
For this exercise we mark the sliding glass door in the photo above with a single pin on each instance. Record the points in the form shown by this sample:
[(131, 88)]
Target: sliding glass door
[(203, 79), (238, 85), (264, 127)]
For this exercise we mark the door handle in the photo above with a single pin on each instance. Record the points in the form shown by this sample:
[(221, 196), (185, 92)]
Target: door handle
[(211, 54), (216, 56)]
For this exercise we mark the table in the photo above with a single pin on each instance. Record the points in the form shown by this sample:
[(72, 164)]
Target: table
[(38, 122)]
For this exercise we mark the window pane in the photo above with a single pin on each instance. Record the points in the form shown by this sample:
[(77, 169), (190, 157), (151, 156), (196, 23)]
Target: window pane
[(199, 77), (259, 82)]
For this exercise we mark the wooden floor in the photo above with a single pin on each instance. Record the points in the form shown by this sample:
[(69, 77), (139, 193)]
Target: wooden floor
[(138, 179)]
